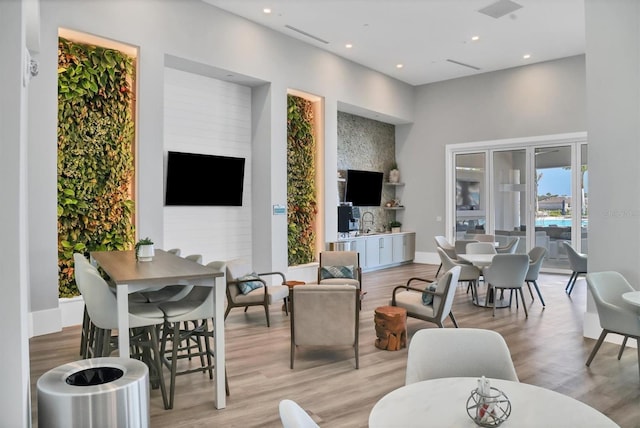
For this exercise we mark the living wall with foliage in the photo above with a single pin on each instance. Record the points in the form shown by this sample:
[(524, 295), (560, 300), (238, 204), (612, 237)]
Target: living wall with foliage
[(95, 154), (301, 187)]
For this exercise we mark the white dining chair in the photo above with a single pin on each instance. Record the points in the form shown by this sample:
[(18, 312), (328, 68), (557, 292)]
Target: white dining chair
[(458, 352), (507, 271), (481, 248), (294, 416)]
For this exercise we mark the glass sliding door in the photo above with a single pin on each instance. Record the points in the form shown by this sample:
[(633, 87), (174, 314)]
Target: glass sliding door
[(554, 203), (584, 198), (470, 194), (509, 197)]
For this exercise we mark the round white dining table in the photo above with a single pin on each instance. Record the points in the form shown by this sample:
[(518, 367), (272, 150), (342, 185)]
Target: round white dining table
[(632, 297), (442, 403)]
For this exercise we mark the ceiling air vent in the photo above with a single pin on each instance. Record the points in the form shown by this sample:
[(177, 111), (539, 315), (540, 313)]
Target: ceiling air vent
[(463, 64), (500, 8), (304, 33)]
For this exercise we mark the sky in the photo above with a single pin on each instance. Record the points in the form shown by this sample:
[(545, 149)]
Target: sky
[(556, 181)]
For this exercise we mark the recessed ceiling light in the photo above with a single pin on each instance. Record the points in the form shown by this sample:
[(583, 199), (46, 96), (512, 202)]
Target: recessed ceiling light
[(526, 56), (266, 10), (399, 65), (348, 46), (475, 38)]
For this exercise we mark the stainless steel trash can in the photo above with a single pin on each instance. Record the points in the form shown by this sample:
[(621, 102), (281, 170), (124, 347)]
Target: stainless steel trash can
[(95, 393)]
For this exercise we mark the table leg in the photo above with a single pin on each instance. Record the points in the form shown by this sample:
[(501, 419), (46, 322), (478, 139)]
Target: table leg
[(122, 296), (218, 335)]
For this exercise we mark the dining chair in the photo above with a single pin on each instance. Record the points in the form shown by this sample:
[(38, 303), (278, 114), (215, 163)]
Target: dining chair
[(412, 298), (483, 237), (193, 339), (507, 271), (247, 288), (510, 247), (616, 315), (468, 272), (461, 245), (481, 248), (172, 292), (294, 416), (536, 257), (458, 352), (577, 263), (442, 242), (325, 315), (144, 322), (340, 267)]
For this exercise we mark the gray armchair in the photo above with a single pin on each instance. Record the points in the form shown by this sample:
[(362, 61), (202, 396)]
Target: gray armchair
[(410, 298), (238, 272), (324, 315), (616, 315), (578, 264)]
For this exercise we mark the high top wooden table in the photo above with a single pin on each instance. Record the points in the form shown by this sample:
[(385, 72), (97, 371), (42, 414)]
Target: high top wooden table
[(130, 276)]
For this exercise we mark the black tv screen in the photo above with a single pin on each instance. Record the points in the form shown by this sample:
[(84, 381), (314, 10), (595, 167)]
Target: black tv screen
[(204, 180), (364, 188)]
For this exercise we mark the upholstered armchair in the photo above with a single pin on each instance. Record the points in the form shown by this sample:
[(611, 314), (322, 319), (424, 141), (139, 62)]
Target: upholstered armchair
[(246, 288), (341, 267), (324, 315), (434, 309)]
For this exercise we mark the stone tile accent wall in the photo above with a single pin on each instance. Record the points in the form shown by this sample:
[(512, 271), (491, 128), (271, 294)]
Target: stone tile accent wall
[(368, 145)]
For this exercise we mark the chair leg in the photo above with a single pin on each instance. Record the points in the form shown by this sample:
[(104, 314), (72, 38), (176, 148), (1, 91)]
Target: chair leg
[(266, 312), (158, 364), (453, 319), (530, 292), (598, 344), (535, 284), (438, 271), (569, 287), (624, 344), (524, 305), (495, 298)]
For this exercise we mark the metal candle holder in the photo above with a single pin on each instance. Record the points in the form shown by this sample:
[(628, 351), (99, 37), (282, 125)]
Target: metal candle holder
[(488, 410)]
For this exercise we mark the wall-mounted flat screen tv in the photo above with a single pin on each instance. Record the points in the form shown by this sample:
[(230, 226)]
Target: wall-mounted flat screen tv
[(364, 188), (204, 180), (467, 195)]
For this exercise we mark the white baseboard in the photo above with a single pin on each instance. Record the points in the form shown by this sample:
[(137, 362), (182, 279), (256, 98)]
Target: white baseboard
[(69, 312)]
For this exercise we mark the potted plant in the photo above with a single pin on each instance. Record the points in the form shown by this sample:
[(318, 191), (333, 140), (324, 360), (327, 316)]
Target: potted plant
[(395, 226), (394, 173), (144, 250)]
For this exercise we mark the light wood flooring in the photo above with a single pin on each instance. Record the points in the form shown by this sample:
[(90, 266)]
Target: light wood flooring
[(548, 350)]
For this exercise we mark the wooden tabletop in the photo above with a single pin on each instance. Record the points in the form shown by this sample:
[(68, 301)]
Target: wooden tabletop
[(165, 267)]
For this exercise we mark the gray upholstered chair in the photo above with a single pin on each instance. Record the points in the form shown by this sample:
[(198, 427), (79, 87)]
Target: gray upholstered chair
[(510, 247), (325, 315), (616, 315), (507, 271), (458, 352), (144, 319), (294, 416), (468, 272), (441, 242), (411, 298), (578, 264), (483, 237), (481, 248), (341, 267), (461, 245), (536, 257), (239, 273)]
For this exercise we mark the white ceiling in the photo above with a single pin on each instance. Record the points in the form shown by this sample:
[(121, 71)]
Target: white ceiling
[(424, 34)]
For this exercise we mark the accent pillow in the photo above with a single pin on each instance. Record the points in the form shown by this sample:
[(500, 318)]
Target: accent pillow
[(427, 299), (248, 286), (327, 272)]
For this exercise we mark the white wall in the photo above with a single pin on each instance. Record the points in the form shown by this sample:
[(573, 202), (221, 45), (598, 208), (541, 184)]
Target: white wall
[(202, 34), (208, 116), (15, 410), (539, 99), (613, 82)]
